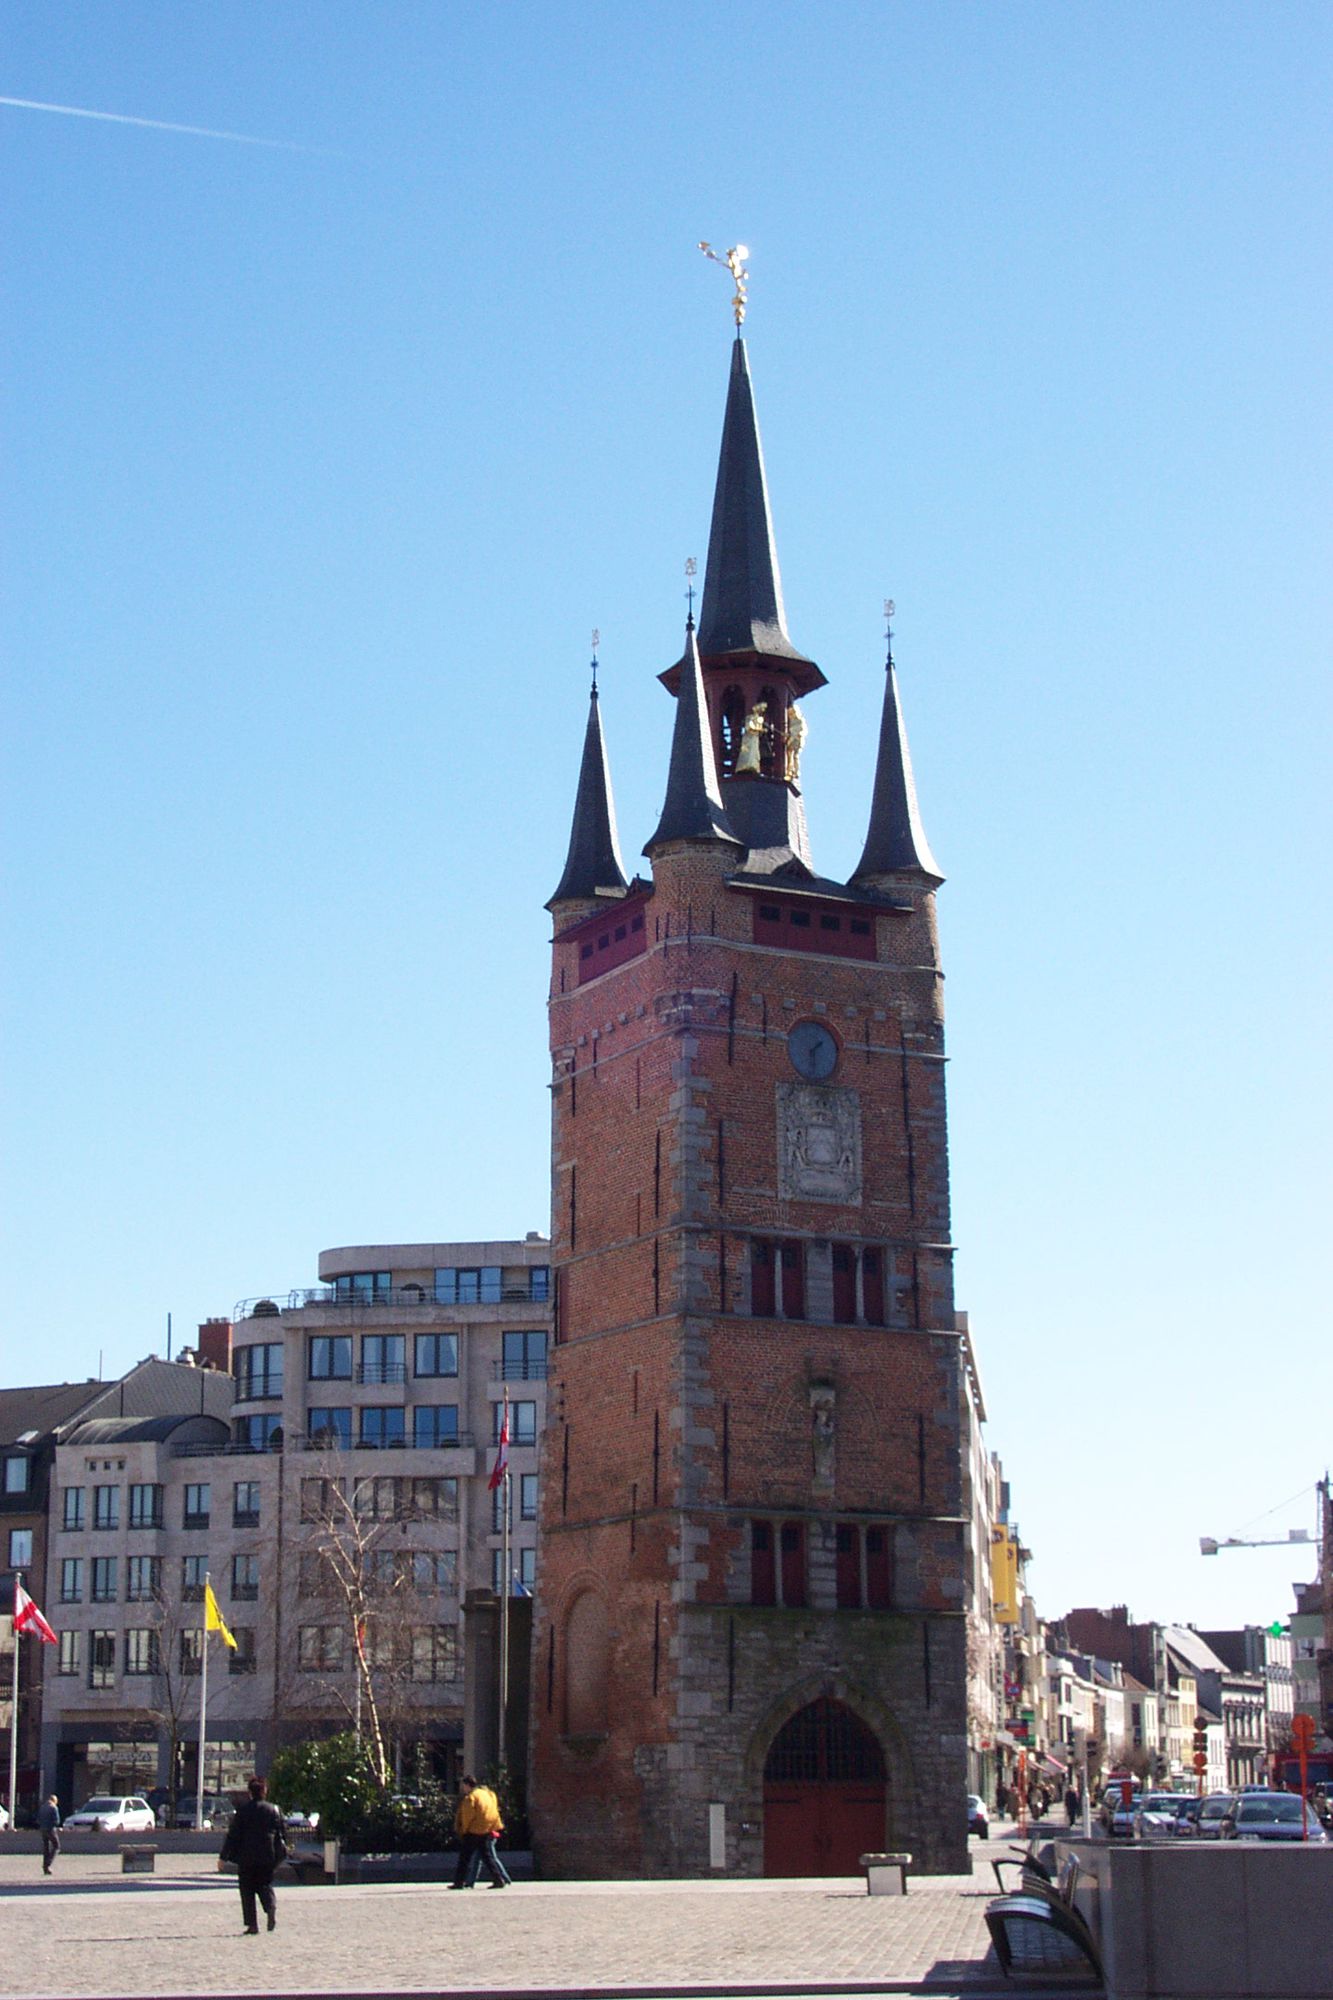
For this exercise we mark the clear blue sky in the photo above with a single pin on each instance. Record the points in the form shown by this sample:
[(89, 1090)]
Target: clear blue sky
[(321, 463)]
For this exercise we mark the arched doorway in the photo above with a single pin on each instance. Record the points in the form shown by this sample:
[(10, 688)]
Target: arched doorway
[(825, 1793)]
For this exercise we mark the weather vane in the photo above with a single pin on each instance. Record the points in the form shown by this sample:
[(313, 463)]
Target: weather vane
[(596, 642), (889, 608), (691, 571), (735, 261)]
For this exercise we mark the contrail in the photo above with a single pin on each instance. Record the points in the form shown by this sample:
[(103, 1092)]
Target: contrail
[(156, 124)]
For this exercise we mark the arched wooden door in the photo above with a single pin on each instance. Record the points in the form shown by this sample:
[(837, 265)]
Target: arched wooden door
[(825, 1794)]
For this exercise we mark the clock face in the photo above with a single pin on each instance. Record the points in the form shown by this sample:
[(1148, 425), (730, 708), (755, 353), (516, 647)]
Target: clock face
[(813, 1051)]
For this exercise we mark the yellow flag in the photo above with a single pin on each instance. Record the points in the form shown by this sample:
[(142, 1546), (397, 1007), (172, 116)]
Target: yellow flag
[(213, 1619)]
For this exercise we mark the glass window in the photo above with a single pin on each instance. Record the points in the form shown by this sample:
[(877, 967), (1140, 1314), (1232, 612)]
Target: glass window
[(104, 1579), (382, 1357), (522, 1423), (319, 1648), (329, 1357), (71, 1580), (498, 1498), (69, 1652), (198, 1503), (145, 1506), (102, 1660), (259, 1370), (194, 1569), (141, 1651), (364, 1287), (321, 1499), (527, 1488), (258, 1433), (143, 1577), (244, 1579), (429, 1499), (16, 1472), (434, 1653), (20, 1548), (539, 1282), (106, 1506), (73, 1514), (524, 1356), (463, 1285), (437, 1354), (245, 1503), (434, 1569), (435, 1424), (192, 1650), (241, 1658), (330, 1429), (522, 1571), (382, 1425)]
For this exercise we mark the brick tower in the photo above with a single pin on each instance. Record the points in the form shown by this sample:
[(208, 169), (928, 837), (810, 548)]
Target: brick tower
[(749, 1638)]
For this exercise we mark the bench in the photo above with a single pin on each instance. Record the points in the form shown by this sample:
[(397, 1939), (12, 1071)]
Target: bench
[(138, 1860), (1037, 1928)]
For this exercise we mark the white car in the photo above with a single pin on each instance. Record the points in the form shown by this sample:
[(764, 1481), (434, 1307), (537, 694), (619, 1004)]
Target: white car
[(106, 1814)]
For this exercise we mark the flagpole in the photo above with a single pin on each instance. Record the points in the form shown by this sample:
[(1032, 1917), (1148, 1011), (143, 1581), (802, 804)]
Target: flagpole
[(14, 1716), (504, 1617), (203, 1710)]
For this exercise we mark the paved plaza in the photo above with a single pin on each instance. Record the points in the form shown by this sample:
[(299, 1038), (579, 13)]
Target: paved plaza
[(90, 1930)]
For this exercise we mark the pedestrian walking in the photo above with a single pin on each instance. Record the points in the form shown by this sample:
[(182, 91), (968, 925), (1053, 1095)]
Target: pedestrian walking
[(478, 1825), (256, 1842), (1071, 1804), (48, 1822)]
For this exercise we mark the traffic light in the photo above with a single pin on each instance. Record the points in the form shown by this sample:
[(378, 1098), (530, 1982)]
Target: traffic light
[(1200, 1744)]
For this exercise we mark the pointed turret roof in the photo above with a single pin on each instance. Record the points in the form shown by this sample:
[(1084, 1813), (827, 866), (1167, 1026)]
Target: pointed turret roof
[(693, 809), (742, 609), (593, 866), (896, 841)]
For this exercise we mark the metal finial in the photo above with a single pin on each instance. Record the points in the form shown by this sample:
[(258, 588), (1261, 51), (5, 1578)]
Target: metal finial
[(889, 608), (596, 642), (691, 571), (735, 261)]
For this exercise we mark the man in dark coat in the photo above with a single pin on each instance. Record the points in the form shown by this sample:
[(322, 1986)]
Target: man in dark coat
[(48, 1822), (256, 1843)]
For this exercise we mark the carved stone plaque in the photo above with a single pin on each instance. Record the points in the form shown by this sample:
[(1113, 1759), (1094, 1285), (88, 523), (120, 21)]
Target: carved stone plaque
[(819, 1143)]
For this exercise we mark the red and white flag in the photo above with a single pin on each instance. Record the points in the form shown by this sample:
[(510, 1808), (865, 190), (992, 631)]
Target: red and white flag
[(27, 1618), (501, 1466)]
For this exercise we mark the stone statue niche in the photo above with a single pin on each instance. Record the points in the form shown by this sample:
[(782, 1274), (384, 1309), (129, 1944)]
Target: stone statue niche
[(823, 1423)]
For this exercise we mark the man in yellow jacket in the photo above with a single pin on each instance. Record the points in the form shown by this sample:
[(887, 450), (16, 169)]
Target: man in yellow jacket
[(478, 1825)]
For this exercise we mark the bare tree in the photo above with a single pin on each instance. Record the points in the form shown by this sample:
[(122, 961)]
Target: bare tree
[(355, 1565)]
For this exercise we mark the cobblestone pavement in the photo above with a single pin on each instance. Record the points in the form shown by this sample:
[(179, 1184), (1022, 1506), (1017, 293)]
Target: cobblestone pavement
[(91, 1931)]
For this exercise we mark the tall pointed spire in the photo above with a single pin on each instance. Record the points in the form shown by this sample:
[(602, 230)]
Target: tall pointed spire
[(896, 841), (593, 866), (742, 608), (693, 809)]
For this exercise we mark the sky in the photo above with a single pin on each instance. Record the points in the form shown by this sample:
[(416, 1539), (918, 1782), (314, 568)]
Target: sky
[(323, 457)]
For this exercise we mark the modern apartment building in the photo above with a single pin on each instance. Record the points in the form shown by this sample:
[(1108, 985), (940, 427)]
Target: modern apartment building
[(338, 1504)]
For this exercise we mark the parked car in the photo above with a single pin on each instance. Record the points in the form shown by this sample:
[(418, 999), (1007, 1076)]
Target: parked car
[(978, 1820), (297, 1821), (217, 1811), (1117, 1817), (106, 1813), (1187, 1815), (1271, 1816), (1156, 1815), (1212, 1810), (4, 1819)]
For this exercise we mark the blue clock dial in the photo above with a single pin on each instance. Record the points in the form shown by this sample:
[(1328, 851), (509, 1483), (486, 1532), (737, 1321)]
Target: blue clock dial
[(813, 1051)]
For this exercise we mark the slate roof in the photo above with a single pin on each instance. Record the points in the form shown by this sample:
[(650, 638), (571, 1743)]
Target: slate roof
[(693, 808), (593, 866), (896, 839), (742, 610), (45, 1408)]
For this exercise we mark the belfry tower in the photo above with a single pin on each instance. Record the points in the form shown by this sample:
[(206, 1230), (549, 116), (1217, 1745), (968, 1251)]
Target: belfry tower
[(749, 1637)]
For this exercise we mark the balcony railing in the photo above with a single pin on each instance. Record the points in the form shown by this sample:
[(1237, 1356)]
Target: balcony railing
[(270, 1304), (519, 1371), (382, 1371)]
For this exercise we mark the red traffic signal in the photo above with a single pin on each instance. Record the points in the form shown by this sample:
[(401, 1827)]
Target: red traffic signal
[(1201, 1760), (1303, 1732)]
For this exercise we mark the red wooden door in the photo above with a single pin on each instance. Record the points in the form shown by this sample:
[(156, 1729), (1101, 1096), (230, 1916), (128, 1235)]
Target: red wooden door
[(825, 1796)]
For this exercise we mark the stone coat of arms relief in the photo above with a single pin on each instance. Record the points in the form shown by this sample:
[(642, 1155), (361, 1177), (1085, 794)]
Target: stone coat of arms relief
[(819, 1143)]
